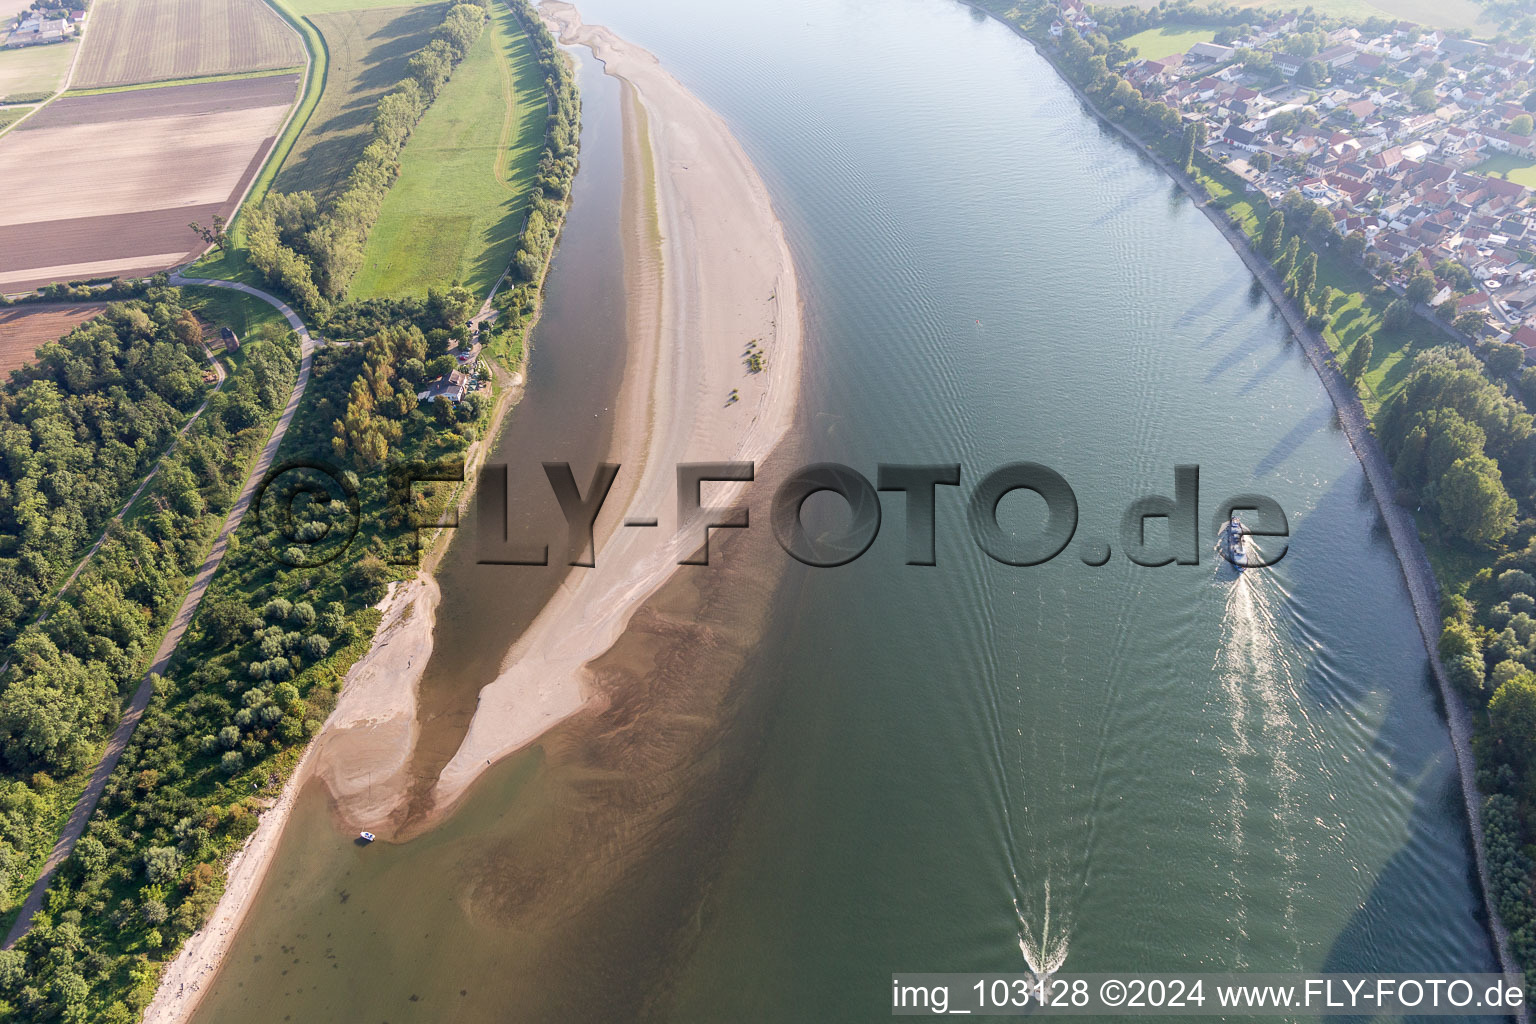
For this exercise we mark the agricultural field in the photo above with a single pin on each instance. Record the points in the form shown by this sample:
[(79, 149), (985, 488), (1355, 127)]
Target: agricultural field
[(34, 72), (368, 50), (25, 329), (312, 7), (1166, 40), (455, 213), (111, 181), (134, 41)]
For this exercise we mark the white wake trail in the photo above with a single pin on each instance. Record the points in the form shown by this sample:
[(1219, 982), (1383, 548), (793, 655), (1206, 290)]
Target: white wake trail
[(1046, 954), (1255, 674)]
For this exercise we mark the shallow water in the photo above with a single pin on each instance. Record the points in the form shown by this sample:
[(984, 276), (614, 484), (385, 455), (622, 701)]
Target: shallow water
[(1202, 772)]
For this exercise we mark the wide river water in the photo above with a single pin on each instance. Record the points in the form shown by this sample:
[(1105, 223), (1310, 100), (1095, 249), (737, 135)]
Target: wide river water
[(917, 764)]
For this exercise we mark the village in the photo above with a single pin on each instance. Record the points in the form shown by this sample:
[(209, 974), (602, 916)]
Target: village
[(1390, 134)]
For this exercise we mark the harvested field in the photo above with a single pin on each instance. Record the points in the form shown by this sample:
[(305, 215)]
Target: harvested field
[(125, 172), (25, 329), (368, 50), (34, 69), (133, 41)]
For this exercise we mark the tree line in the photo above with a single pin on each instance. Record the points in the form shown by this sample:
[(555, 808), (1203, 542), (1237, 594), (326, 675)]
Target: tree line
[(556, 170), (312, 250)]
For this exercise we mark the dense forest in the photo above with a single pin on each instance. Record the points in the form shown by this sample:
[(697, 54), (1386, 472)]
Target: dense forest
[(312, 250), (67, 675), (79, 428), (256, 674)]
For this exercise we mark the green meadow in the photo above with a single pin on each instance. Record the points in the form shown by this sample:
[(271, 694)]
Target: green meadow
[(1521, 169), (454, 214), (34, 72), (366, 52), (1356, 310), (1166, 40)]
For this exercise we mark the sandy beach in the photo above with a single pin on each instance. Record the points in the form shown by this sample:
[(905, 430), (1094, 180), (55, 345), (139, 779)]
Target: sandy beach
[(707, 270), (363, 752), (370, 732), (728, 279)]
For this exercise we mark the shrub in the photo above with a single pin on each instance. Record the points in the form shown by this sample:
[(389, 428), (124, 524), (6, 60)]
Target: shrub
[(1513, 581), (162, 864)]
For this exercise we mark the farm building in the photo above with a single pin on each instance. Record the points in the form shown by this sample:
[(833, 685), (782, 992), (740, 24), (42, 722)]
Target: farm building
[(34, 31), (230, 339)]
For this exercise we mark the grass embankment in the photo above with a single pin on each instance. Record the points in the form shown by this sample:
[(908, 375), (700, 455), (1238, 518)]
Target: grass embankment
[(1166, 40), (1357, 309), (358, 52), (33, 72), (1356, 312), (233, 76), (454, 214), (366, 53)]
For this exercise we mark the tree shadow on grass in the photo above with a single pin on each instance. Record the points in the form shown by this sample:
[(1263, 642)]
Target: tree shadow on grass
[(338, 130)]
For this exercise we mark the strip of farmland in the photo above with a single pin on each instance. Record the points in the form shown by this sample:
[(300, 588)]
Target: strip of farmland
[(134, 41), (120, 175)]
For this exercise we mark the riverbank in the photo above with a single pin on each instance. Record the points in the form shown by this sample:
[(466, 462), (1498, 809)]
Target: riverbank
[(728, 280), (723, 278), (366, 737), (1413, 561)]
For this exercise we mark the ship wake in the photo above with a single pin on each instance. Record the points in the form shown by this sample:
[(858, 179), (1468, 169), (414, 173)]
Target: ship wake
[(1047, 951)]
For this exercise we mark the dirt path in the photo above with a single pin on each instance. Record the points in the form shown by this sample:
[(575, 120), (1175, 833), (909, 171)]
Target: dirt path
[(74, 828)]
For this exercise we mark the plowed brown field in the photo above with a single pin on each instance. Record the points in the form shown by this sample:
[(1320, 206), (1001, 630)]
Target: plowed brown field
[(112, 180), (23, 329)]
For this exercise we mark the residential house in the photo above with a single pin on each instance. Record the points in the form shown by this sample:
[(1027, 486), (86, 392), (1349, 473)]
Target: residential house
[(452, 385)]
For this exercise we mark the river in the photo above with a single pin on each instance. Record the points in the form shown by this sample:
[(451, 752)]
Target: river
[(914, 763)]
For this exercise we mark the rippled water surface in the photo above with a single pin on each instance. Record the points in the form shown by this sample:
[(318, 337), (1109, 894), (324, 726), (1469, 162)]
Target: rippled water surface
[(1202, 772)]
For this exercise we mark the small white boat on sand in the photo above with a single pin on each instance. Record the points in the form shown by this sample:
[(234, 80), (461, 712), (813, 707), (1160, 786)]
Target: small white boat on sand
[(366, 837)]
